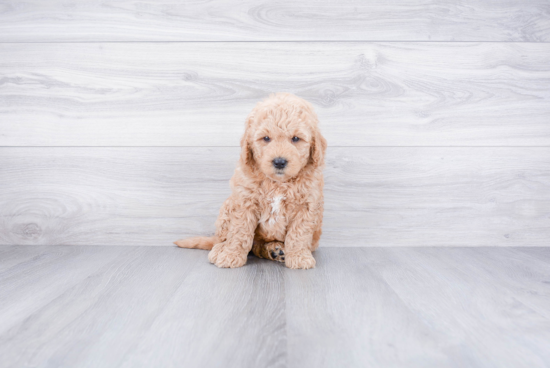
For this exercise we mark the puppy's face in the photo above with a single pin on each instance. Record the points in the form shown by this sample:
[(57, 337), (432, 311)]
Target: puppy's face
[(281, 148), (282, 137)]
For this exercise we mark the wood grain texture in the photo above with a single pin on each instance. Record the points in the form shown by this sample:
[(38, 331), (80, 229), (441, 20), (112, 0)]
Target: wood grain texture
[(219, 319), (128, 292), (519, 270), (342, 313), (542, 254), (151, 306), (444, 288), (34, 283), (375, 307), (199, 94), (128, 20), (377, 196), (15, 255), (418, 307)]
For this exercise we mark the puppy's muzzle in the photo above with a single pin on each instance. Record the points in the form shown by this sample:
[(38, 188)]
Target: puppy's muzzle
[(279, 163)]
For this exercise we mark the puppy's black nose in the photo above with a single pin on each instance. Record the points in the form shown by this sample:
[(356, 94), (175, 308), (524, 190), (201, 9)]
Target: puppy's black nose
[(280, 163)]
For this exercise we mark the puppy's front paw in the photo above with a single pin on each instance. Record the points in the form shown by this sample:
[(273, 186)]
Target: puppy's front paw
[(223, 256), (300, 259)]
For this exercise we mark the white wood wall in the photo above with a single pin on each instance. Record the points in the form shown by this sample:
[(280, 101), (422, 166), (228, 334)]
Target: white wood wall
[(120, 120)]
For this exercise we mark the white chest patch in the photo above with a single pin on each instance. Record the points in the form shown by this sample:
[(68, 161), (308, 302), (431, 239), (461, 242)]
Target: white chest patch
[(275, 208)]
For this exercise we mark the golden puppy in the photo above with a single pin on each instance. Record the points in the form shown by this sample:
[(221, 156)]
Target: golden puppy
[(276, 205)]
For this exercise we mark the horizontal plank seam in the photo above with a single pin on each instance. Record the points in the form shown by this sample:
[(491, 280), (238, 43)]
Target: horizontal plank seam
[(279, 41), (443, 246), (330, 146)]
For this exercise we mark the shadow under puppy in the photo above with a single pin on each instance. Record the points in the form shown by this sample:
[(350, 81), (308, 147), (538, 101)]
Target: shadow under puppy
[(276, 206)]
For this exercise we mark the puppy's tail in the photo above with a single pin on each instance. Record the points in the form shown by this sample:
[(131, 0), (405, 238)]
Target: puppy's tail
[(198, 242)]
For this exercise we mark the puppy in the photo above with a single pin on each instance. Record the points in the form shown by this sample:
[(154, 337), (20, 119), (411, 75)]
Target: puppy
[(276, 206)]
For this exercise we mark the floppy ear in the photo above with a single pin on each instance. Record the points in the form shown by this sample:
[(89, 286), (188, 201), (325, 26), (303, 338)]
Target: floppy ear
[(318, 149), (247, 157)]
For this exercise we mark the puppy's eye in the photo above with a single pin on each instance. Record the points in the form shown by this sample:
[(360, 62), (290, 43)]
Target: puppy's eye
[(295, 139), (267, 139)]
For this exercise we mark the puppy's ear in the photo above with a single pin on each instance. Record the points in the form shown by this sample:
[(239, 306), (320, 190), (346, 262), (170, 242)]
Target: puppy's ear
[(247, 156), (318, 149)]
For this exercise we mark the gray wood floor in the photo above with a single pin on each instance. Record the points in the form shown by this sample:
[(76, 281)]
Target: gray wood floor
[(84, 306)]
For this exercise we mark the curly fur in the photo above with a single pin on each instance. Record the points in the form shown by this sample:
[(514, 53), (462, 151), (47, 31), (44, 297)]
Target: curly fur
[(270, 206)]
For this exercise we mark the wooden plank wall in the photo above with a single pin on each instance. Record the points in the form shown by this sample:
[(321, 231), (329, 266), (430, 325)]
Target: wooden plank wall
[(120, 120)]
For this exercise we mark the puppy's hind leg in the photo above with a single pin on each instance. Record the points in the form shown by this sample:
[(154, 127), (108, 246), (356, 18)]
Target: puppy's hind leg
[(274, 250)]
